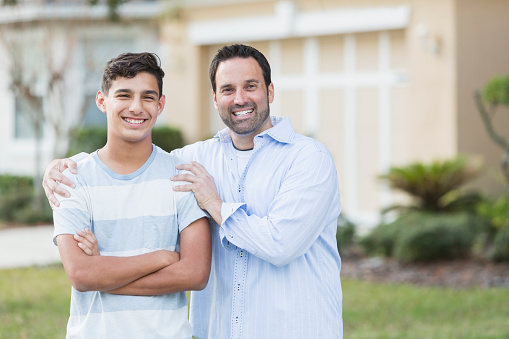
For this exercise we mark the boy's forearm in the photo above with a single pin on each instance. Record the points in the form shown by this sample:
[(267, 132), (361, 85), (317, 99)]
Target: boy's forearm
[(103, 273), (178, 277)]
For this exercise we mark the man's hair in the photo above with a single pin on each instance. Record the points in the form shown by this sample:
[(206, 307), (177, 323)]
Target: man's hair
[(239, 51), (128, 65)]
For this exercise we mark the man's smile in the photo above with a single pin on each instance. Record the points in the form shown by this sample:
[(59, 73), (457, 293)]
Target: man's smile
[(244, 112)]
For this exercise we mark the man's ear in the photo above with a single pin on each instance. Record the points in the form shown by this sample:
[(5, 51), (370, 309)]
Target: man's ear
[(270, 93), (214, 97), (100, 101)]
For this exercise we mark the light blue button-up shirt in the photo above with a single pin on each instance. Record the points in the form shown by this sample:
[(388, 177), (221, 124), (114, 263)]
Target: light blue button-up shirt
[(275, 264)]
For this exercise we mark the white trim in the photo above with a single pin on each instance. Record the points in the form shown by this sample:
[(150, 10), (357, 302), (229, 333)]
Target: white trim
[(287, 22), (312, 106), (350, 131), (31, 12), (276, 62), (384, 116)]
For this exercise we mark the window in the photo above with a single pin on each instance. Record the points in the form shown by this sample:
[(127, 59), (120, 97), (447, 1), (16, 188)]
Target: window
[(25, 118)]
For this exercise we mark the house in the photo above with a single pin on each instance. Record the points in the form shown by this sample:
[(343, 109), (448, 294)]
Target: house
[(381, 83)]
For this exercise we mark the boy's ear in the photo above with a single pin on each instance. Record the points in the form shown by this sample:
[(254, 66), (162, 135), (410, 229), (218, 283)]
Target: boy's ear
[(100, 101), (162, 102)]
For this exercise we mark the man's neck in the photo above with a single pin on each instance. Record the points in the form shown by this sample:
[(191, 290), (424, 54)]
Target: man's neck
[(125, 158)]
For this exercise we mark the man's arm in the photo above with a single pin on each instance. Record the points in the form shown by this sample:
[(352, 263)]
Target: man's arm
[(97, 273), (190, 273), (307, 201)]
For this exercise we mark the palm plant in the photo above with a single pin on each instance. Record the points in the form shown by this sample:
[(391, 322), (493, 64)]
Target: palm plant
[(435, 186)]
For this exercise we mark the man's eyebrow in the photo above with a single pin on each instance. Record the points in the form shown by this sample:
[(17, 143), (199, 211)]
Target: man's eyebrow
[(245, 82)]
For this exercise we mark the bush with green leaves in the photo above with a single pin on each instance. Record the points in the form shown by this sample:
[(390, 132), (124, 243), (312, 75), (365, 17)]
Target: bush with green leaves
[(496, 212), (495, 95), (423, 236), (438, 238), (17, 201), (501, 245), (435, 187), (90, 139), (381, 240), (345, 236)]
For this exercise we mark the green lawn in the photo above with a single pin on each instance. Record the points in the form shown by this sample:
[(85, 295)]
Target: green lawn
[(34, 303)]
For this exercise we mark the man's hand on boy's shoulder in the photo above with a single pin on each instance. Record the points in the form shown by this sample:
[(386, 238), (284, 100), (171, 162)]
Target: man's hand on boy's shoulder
[(53, 175)]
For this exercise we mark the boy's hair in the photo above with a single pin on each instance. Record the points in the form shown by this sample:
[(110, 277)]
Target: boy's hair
[(128, 65), (239, 51)]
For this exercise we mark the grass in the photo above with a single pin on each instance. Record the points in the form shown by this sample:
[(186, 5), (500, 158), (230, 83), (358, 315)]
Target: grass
[(34, 303), (407, 311)]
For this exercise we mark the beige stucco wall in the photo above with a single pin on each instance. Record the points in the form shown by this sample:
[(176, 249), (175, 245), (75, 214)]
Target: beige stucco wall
[(483, 52), (431, 101), (447, 50)]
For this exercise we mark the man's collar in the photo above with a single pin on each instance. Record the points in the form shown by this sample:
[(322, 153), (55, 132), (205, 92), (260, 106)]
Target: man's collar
[(281, 130)]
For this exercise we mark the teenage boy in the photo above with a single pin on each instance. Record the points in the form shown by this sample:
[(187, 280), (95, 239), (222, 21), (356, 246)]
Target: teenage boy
[(147, 233)]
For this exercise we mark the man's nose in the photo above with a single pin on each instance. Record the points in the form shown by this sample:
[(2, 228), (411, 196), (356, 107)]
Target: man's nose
[(240, 97)]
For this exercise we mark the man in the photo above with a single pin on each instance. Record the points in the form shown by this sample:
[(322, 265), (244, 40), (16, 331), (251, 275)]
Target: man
[(274, 199), (123, 195)]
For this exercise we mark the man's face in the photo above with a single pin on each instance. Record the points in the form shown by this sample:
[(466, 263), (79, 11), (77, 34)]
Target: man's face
[(132, 107), (241, 96)]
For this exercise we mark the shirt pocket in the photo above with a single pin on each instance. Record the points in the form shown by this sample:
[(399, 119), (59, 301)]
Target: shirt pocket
[(159, 233)]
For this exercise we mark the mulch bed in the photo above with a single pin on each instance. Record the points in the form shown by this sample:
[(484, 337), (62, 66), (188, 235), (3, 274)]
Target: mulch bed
[(455, 274)]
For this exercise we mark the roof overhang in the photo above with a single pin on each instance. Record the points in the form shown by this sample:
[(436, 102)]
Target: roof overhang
[(288, 22)]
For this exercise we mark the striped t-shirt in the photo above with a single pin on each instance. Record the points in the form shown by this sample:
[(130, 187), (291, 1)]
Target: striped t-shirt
[(130, 215)]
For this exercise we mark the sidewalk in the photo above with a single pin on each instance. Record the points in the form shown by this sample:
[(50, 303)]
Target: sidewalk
[(27, 246)]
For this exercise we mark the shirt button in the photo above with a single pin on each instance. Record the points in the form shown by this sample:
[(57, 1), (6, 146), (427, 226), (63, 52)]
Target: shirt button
[(241, 253)]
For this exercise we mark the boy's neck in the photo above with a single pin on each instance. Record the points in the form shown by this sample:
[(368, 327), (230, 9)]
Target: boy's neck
[(125, 158)]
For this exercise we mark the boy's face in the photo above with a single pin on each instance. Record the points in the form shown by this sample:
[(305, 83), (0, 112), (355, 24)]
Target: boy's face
[(132, 107)]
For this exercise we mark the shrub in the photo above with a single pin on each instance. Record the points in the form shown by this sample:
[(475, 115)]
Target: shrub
[(345, 234), (496, 212), (17, 201), (168, 138), (381, 240), (501, 245), (435, 186), (87, 140), (408, 238), (434, 241), (90, 139)]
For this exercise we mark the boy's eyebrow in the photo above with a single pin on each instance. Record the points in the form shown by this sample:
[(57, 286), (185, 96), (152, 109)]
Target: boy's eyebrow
[(123, 90), (126, 90), (150, 91)]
